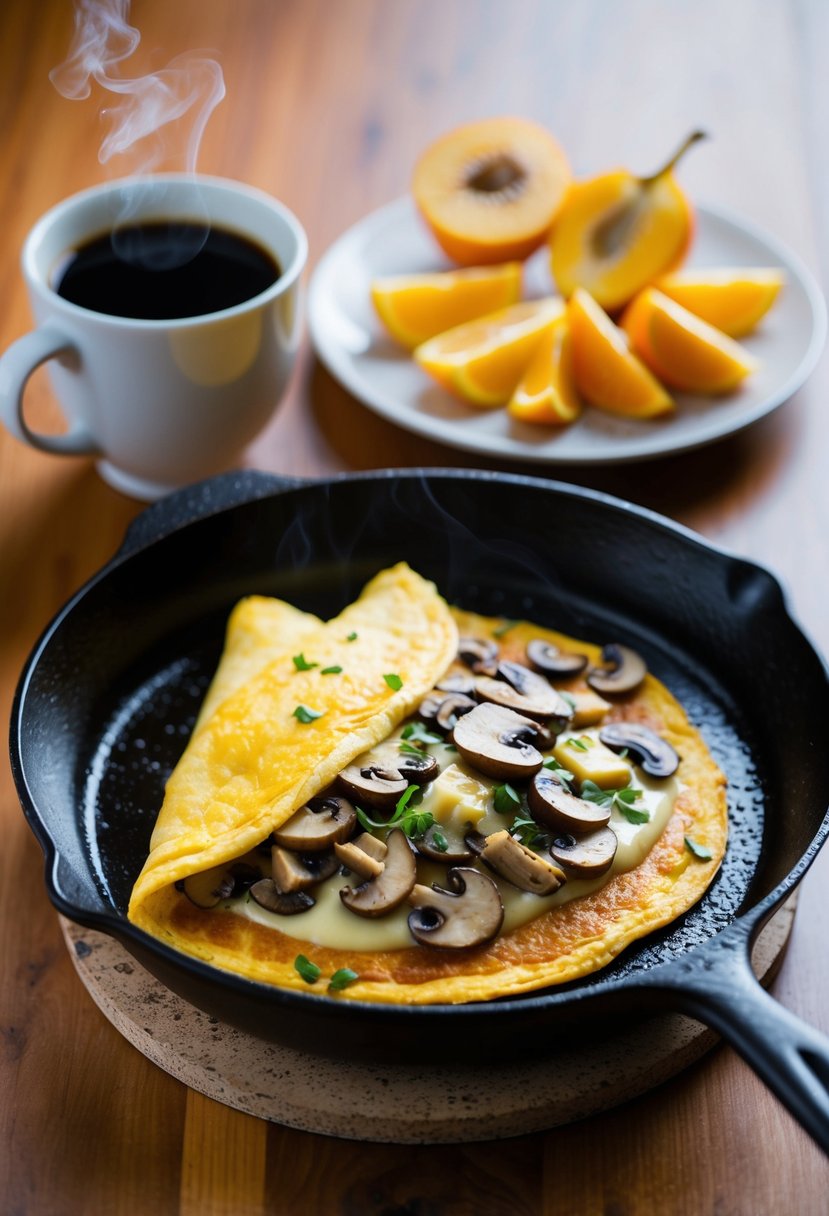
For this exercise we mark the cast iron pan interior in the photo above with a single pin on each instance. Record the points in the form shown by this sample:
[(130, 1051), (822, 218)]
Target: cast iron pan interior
[(106, 703)]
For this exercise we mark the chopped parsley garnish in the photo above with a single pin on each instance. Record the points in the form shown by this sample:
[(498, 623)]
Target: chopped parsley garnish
[(503, 628), (417, 823), (393, 680), (309, 971), (330, 671), (505, 800), (528, 832), (416, 732), (439, 840), (621, 799), (581, 745), (352, 637), (302, 664), (341, 979), (561, 773), (406, 815), (303, 714), (700, 851)]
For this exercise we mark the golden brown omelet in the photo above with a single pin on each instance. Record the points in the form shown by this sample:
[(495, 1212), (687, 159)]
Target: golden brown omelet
[(251, 764)]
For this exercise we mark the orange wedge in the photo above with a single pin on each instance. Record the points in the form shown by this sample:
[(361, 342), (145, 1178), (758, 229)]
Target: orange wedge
[(733, 299), (482, 361), (546, 393), (684, 351), (415, 307), (607, 372)]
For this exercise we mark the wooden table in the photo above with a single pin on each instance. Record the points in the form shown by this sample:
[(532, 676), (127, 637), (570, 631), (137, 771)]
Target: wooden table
[(327, 106)]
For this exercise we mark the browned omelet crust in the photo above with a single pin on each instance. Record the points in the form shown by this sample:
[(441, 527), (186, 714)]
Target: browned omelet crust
[(562, 944)]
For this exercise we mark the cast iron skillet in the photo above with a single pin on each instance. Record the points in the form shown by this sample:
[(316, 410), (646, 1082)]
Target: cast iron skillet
[(106, 701)]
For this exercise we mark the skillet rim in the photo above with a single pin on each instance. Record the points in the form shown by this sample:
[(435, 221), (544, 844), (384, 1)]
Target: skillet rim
[(237, 489)]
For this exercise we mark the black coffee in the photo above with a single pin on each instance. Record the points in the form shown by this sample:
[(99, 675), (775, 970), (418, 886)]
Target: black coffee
[(162, 270)]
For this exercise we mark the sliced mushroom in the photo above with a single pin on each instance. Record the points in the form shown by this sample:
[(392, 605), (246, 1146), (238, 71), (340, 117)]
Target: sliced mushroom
[(623, 669), (418, 770), (543, 738), (457, 683), (456, 852), (468, 912), (480, 654), (291, 871), (267, 895), (210, 887), (429, 707), (587, 856), (244, 876), (558, 664), (520, 865), (498, 742), (654, 754), (318, 826), (373, 785), (525, 691), (475, 841), (453, 706), (555, 806), (379, 895), (365, 856)]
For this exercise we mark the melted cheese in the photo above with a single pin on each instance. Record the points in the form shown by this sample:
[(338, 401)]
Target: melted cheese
[(461, 798)]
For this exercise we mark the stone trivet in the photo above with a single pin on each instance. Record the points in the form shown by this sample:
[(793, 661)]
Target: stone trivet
[(393, 1104)]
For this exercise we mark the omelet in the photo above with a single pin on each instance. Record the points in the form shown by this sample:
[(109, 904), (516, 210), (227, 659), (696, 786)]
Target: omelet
[(282, 727), (493, 807)]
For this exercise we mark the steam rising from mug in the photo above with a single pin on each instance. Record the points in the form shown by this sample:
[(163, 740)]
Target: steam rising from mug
[(190, 85)]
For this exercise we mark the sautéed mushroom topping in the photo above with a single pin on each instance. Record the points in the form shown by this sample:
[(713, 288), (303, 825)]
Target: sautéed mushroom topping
[(504, 796)]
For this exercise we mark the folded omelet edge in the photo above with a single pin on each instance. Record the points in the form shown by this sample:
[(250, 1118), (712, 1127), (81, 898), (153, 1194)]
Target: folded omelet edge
[(399, 627)]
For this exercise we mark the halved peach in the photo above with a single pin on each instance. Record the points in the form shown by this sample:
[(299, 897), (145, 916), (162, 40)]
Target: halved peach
[(684, 351), (734, 299), (546, 393), (606, 371), (490, 190), (617, 232)]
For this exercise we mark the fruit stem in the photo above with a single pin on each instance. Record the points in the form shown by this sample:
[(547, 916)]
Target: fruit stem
[(671, 164)]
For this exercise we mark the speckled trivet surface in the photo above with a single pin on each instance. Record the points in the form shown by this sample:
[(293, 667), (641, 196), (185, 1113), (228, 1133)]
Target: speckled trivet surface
[(402, 1105)]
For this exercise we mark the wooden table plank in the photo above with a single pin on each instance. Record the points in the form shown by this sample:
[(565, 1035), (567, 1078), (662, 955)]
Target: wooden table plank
[(223, 1161), (328, 105)]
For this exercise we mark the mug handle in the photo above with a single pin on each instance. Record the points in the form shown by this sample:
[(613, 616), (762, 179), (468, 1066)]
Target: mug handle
[(16, 366)]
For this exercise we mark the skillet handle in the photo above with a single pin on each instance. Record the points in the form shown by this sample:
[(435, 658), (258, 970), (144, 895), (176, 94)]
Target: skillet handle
[(199, 501), (717, 986)]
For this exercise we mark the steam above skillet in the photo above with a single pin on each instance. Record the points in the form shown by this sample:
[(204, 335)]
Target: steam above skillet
[(110, 692)]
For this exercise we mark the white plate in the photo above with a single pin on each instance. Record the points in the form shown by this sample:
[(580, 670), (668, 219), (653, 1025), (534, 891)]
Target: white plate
[(351, 342)]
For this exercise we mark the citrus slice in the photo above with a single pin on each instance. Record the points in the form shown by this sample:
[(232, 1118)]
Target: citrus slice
[(734, 299), (414, 307), (546, 392), (607, 372), (482, 361), (684, 351)]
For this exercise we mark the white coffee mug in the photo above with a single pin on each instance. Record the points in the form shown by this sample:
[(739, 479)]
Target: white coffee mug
[(161, 403)]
